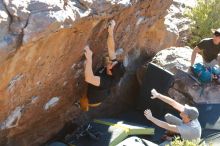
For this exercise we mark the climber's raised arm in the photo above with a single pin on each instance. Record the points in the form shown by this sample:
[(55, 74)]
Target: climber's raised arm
[(167, 100), (110, 40), (89, 75)]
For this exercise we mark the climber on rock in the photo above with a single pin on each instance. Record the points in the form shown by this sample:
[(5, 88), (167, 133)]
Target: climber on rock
[(100, 82), (209, 48), (188, 126)]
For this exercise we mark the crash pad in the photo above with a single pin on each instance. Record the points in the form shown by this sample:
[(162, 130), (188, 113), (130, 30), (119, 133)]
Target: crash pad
[(120, 130), (136, 141), (212, 139), (159, 79), (209, 116), (112, 131)]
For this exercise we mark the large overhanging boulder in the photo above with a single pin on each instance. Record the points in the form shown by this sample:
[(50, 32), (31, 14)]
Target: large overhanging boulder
[(42, 63), (186, 88)]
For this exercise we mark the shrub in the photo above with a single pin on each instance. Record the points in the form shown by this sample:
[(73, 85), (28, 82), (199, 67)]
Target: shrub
[(205, 16), (178, 142)]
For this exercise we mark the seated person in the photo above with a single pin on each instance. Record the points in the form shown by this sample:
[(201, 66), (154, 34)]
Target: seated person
[(209, 49), (100, 83), (188, 126)]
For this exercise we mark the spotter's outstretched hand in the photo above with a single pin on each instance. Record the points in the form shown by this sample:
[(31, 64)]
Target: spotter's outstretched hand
[(148, 114), (154, 94)]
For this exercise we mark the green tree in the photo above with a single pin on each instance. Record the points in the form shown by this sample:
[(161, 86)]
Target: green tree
[(205, 16)]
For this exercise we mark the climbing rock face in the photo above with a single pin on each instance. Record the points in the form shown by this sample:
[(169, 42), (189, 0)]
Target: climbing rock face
[(42, 61), (186, 89)]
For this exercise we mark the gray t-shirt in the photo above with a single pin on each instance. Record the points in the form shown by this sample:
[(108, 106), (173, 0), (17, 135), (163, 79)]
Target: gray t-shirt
[(191, 130)]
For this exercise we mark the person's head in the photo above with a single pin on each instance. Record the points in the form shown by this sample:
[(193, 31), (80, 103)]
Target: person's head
[(189, 114), (216, 36)]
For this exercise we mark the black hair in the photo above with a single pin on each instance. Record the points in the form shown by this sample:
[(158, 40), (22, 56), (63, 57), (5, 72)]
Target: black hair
[(216, 33)]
